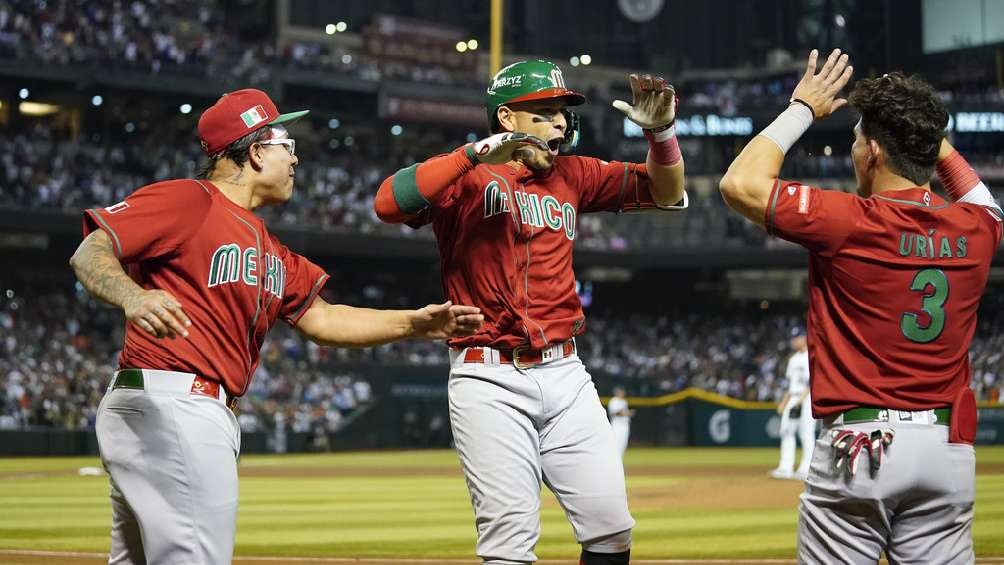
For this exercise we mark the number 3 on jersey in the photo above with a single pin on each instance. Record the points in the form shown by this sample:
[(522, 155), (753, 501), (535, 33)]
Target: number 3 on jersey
[(932, 304)]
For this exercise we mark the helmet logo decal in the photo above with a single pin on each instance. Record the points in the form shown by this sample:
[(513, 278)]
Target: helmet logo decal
[(557, 79), (506, 81)]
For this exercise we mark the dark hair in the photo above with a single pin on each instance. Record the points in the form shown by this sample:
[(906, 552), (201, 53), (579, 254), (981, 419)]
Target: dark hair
[(236, 152), (907, 119)]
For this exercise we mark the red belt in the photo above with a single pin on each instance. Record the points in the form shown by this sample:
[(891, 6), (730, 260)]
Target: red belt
[(202, 385), (521, 357)]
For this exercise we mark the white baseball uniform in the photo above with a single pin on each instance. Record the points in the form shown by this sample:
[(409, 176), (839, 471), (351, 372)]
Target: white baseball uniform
[(620, 421), (803, 425)]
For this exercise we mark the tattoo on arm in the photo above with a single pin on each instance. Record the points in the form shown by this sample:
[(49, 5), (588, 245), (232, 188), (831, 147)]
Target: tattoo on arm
[(101, 273)]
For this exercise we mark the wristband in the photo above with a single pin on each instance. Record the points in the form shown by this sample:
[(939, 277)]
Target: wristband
[(471, 155), (789, 126), (663, 146), (804, 103)]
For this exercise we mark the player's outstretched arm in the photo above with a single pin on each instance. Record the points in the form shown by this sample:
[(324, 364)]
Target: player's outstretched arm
[(653, 108), (412, 189), (98, 269), (747, 185), (338, 325), (960, 180)]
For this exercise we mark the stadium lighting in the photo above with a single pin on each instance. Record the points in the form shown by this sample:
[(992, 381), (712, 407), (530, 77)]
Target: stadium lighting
[(333, 123), (396, 130), (827, 151), (97, 100), (349, 141), (185, 108), (346, 59), (330, 29), (37, 108), (840, 20), (461, 46), (341, 26), (23, 93), (574, 61), (586, 59), (472, 137), (130, 127), (472, 44)]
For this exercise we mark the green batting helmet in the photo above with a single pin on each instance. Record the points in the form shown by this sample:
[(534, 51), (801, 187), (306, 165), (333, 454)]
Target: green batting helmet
[(527, 80)]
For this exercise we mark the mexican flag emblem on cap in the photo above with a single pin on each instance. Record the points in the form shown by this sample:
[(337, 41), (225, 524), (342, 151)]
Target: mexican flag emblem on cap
[(254, 116)]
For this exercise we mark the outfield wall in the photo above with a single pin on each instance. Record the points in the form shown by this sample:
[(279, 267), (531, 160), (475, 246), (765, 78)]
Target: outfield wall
[(410, 411), (714, 420)]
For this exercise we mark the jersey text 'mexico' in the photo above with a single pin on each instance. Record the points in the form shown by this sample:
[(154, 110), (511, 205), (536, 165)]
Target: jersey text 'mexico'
[(232, 278), (506, 236)]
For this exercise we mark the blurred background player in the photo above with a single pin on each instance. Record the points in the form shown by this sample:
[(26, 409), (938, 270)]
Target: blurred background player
[(620, 419), (795, 409), (896, 273), (206, 281), (504, 210)]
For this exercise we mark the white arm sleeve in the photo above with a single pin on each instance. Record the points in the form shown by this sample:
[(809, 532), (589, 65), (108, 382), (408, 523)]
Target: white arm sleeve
[(980, 194)]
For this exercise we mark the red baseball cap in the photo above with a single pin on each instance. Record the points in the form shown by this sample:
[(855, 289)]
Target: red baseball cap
[(237, 114)]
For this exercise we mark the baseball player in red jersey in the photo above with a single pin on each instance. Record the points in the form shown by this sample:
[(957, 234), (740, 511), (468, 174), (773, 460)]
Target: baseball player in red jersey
[(206, 281), (522, 407), (895, 279)]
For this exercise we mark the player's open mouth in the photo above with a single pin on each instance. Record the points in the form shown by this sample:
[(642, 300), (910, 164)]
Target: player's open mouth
[(554, 145)]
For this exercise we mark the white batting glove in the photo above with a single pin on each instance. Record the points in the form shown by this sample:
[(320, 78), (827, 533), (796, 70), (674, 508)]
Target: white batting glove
[(500, 147), (653, 102)]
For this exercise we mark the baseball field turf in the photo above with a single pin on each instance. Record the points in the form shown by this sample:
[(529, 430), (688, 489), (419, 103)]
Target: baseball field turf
[(412, 506)]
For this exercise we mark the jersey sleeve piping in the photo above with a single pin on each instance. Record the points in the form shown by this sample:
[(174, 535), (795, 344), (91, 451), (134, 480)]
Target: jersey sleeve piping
[(768, 220), (293, 318), (102, 224)]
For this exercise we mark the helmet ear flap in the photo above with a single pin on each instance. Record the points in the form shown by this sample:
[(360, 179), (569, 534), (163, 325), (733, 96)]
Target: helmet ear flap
[(572, 133)]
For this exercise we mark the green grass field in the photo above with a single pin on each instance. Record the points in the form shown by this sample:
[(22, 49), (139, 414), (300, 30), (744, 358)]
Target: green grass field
[(689, 503)]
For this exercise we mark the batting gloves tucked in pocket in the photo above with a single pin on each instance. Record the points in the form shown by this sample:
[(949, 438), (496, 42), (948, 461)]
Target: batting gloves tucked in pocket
[(849, 444)]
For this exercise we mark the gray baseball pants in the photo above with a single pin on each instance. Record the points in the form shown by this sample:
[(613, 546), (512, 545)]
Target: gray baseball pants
[(516, 429), (917, 507), (172, 460)]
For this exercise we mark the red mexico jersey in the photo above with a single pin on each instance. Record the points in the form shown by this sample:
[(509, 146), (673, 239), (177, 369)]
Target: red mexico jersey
[(232, 278), (894, 284), (505, 238)]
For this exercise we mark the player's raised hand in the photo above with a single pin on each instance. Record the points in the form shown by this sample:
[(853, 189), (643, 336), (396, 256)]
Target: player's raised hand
[(653, 102), (158, 313), (819, 90), (500, 147), (440, 321)]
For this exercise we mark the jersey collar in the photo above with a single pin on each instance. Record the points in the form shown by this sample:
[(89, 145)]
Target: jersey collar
[(915, 196)]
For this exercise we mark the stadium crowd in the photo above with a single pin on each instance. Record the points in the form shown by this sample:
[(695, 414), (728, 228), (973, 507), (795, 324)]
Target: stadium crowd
[(43, 166), (57, 355), (174, 36)]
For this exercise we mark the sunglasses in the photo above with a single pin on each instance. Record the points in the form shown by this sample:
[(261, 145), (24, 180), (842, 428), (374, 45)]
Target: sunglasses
[(279, 136), (289, 144)]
